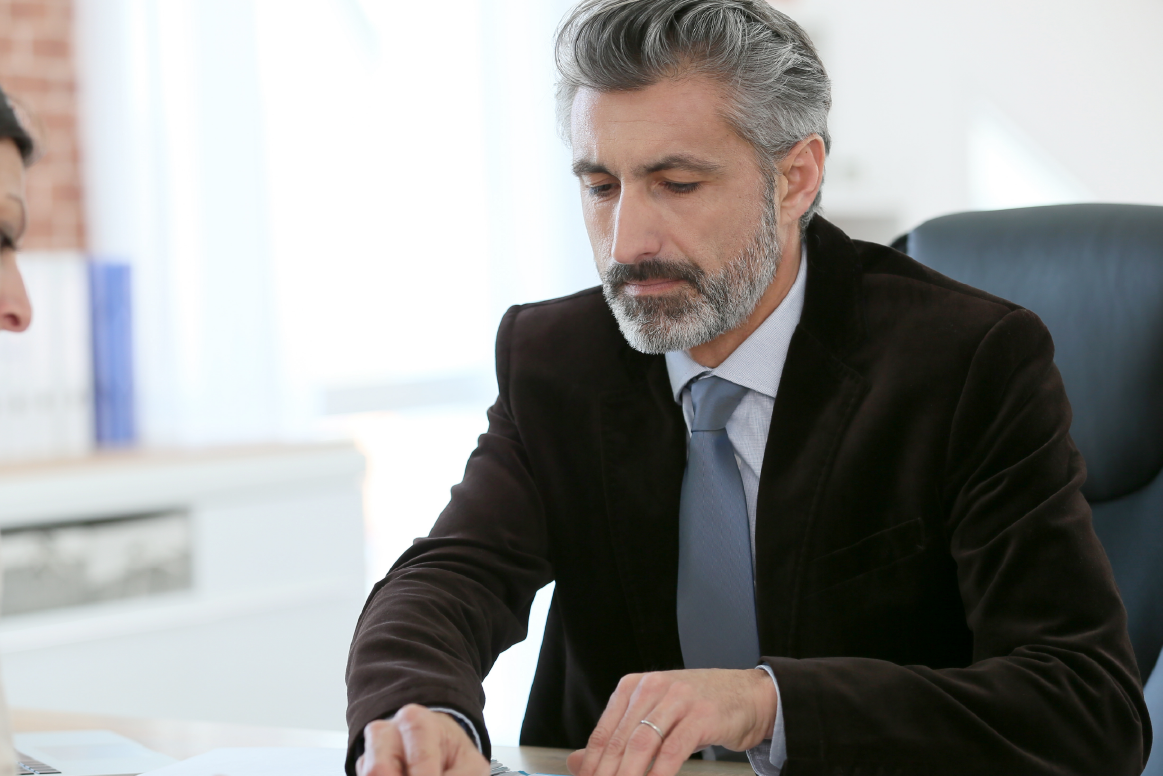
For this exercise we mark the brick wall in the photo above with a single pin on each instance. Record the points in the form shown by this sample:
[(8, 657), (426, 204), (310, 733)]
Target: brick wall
[(36, 70)]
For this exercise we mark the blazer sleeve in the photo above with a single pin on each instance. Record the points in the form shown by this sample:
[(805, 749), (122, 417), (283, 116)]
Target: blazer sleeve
[(432, 628), (1054, 688)]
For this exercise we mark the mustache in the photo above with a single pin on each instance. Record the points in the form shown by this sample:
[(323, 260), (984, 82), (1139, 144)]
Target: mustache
[(618, 275)]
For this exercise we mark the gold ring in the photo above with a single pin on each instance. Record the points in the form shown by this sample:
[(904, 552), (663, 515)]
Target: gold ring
[(653, 727)]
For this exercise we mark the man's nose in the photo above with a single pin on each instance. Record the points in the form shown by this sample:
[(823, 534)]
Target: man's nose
[(15, 309), (637, 229)]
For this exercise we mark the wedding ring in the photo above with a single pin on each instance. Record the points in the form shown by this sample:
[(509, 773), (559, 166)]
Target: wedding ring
[(653, 727)]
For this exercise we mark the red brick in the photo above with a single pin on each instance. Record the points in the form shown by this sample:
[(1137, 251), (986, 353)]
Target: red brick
[(27, 10), (21, 85), (36, 68), (66, 192), (51, 47), (58, 122)]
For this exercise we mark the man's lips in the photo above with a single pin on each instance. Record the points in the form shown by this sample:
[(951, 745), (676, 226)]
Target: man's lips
[(654, 286)]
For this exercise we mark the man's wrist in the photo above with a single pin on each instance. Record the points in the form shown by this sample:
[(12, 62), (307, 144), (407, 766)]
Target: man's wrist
[(766, 699), (776, 754), (465, 724)]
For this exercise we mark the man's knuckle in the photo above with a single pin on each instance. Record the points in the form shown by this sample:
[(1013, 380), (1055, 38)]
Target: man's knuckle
[(413, 717), (598, 738), (377, 728), (653, 681), (629, 682), (420, 755)]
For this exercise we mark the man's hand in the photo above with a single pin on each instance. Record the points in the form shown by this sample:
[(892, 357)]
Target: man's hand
[(693, 709), (419, 742)]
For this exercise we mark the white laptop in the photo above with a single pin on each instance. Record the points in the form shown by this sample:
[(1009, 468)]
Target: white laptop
[(83, 753)]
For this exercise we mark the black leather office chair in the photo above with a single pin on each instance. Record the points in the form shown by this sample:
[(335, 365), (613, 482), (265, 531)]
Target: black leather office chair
[(1094, 274)]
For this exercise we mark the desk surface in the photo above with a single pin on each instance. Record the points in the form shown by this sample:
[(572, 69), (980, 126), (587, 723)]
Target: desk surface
[(186, 739)]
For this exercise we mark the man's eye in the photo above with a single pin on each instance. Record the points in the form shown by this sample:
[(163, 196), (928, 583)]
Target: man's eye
[(600, 190), (680, 188)]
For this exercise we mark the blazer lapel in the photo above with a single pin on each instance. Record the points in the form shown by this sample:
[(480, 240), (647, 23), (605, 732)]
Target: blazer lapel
[(643, 457), (818, 394)]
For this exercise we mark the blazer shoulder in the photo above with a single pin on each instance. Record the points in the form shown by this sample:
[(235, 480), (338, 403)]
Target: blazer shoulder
[(891, 265), (572, 334), (563, 322), (588, 301), (911, 308)]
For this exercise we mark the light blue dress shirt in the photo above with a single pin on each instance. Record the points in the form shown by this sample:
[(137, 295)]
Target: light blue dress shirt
[(757, 364)]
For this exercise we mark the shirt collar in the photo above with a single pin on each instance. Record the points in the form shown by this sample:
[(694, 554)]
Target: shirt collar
[(757, 363)]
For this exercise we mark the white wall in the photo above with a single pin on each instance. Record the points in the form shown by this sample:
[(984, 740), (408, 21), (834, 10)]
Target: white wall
[(325, 195), (1076, 80), (172, 139)]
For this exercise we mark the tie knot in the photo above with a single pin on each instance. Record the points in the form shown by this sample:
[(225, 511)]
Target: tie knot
[(714, 399)]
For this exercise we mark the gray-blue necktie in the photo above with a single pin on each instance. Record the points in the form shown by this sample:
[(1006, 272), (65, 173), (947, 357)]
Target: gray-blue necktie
[(716, 589)]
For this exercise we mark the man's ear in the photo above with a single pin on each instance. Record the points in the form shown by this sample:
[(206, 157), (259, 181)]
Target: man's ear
[(803, 174)]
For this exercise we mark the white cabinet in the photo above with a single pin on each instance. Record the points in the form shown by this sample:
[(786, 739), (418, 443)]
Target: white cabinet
[(260, 635)]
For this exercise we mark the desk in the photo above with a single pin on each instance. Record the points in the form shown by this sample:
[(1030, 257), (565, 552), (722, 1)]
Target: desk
[(186, 739)]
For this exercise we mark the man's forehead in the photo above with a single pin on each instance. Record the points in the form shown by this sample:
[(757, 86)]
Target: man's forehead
[(667, 125)]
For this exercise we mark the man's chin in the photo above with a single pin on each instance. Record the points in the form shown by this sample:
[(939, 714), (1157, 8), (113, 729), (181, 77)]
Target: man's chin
[(658, 334)]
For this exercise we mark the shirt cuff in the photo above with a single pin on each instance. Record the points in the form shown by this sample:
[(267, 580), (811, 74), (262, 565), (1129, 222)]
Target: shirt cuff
[(466, 723), (768, 758)]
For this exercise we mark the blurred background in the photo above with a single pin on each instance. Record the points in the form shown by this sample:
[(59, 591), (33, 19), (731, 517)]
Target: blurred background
[(271, 241)]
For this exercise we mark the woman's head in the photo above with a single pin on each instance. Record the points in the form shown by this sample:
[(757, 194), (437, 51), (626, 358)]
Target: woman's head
[(16, 153)]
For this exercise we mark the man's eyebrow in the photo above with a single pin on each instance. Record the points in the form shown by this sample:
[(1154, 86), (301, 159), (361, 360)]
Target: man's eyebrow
[(586, 167), (672, 162), (681, 162)]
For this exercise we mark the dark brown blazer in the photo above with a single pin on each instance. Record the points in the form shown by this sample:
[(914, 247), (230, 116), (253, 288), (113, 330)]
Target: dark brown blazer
[(931, 595)]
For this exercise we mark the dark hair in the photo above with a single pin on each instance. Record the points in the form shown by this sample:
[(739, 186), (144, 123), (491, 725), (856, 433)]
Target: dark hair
[(10, 127)]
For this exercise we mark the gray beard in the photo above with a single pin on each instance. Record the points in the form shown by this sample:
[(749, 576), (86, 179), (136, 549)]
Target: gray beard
[(712, 304)]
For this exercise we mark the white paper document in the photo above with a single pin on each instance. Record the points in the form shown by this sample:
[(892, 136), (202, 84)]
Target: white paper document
[(260, 761)]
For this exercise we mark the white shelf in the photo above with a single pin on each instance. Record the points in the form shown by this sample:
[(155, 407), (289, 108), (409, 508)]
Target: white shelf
[(148, 480), (278, 581)]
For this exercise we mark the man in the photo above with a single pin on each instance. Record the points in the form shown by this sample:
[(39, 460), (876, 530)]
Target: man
[(763, 444)]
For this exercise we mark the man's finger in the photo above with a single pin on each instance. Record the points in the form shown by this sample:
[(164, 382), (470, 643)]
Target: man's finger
[(423, 740), (607, 724), (647, 740), (641, 748), (574, 761), (679, 745), (467, 761), (383, 751), (466, 764), (649, 692)]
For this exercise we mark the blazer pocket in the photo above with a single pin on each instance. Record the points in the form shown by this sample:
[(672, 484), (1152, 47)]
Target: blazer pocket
[(881, 549)]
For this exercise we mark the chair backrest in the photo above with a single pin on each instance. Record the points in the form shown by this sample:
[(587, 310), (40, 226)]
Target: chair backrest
[(1094, 275)]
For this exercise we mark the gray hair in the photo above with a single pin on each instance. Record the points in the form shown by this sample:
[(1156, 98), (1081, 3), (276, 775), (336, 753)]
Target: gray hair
[(779, 91)]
